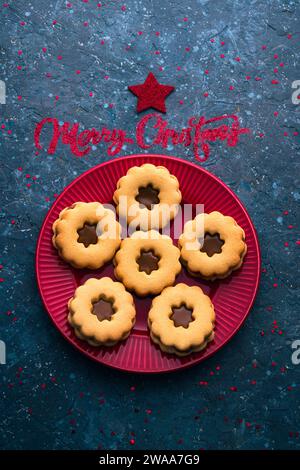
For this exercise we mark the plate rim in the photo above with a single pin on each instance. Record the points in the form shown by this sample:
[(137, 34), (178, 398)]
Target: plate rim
[(185, 162)]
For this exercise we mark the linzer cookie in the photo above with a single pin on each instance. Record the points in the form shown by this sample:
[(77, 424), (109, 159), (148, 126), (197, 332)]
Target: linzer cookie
[(148, 196), (221, 249), (147, 262), (181, 320), (101, 312), (86, 235)]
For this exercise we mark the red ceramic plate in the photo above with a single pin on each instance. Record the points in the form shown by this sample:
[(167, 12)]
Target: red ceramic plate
[(232, 297)]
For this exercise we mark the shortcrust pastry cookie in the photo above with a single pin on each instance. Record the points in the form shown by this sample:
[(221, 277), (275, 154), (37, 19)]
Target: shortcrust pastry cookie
[(148, 196), (181, 320), (147, 262), (86, 235), (101, 312), (220, 251)]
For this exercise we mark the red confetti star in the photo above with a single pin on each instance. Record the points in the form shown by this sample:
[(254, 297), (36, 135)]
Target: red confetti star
[(151, 94)]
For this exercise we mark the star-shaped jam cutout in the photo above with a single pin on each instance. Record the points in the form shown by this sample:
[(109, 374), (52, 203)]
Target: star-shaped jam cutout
[(103, 309), (151, 94), (88, 235), (212, 244), (148, 261), (148, 196), (182, 316)]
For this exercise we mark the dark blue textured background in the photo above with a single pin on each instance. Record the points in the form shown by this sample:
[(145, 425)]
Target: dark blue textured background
[(247, 395)]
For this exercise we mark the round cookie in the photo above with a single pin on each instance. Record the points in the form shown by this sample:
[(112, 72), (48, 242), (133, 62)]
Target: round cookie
[(148, 196), (101, 312), (221, 250), (147, 262), (181, 320), (86, 235)]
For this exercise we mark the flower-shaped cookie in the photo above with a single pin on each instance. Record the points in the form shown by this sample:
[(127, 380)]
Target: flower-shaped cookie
[(181, 320), (86, 235), (101, 312), (148, 196), (221, 249), (147, 262)]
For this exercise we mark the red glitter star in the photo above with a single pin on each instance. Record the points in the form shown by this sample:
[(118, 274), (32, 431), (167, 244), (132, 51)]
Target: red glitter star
[(151, 94)]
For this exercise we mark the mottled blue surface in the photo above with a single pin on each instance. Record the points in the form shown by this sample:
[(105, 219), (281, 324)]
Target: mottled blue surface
[(247, 395)]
